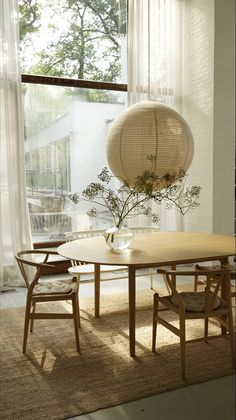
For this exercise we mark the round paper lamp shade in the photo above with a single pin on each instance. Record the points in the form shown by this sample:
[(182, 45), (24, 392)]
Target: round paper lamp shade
[(149, 128)]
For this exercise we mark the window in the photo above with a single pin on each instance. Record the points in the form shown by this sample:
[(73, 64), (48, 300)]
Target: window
[(81, 39), (48, 168), (66, 118)]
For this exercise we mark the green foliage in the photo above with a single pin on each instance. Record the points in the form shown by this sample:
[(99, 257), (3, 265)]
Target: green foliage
[(29, 17), (130, 200), (83, 37), (94, 95)]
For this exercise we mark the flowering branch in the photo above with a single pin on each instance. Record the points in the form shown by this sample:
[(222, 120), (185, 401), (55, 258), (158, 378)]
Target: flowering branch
[(129, 200)]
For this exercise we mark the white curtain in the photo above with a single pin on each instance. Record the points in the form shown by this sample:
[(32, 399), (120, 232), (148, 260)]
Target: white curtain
[(14, 218), (155, 55)]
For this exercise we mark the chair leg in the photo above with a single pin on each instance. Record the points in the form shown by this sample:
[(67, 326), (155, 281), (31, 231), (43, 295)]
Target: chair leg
[(26, 327), (77, 279), (32, 320), (154, 325), (206, 329), (231, 337), (78, 312), (182, 347), (229, 317), (151, 278), (195, 283), (76, 317)]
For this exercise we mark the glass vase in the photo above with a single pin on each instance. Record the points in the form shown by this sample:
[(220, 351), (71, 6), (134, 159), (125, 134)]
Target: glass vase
[(118, 239)]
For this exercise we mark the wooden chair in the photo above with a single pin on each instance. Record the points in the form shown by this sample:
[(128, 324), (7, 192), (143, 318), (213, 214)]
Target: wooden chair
[(196, 305), (198, 281), (78, 270), (32, 264)]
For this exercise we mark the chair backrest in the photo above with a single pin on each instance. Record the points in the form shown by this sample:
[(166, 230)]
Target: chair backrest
[(39, 259), (80, 234), (143, 229), (219, 275)]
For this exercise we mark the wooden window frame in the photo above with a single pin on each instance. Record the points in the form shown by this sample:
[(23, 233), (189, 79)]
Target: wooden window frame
[(78, 83)]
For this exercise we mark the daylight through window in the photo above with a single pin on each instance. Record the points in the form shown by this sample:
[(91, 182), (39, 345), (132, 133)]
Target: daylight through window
[(65, 127)]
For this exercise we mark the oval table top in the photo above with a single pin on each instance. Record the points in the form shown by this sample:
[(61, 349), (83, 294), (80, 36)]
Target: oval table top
[(152, 249)]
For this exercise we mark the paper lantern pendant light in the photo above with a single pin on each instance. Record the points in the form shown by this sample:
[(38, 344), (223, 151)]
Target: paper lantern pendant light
[(144, 129)]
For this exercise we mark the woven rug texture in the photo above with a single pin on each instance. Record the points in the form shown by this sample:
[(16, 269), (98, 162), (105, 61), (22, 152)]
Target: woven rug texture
[(52, 381)]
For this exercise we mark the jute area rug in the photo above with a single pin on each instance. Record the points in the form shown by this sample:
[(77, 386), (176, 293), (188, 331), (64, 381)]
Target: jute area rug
[(53, 381)]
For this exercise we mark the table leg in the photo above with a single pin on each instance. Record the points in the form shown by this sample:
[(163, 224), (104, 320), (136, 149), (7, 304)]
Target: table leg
[(224, 261), (173, 277), (132, 311), (97, 289)]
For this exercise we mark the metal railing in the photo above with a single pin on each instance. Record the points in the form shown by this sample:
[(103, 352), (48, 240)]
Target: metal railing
[(50, 223)]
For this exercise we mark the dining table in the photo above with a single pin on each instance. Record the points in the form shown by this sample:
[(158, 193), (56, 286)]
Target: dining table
[(152, 249)]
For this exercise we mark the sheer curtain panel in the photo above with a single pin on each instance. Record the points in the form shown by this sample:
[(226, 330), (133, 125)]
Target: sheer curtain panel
[(155, 51), (155, 55), (14, 218)]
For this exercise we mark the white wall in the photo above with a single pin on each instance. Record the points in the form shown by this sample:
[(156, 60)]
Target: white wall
[(89, 125), (198, 104), (57, 130), (208, 108), (90, 122), (224, 117)]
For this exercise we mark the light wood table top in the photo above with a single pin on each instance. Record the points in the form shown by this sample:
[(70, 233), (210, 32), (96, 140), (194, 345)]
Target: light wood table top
[(148, 250), (154, 248)]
